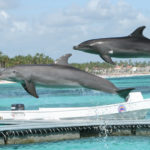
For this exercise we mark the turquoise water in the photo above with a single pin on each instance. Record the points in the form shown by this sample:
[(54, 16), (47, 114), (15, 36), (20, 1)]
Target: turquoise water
[(109, 143), (14, 93)]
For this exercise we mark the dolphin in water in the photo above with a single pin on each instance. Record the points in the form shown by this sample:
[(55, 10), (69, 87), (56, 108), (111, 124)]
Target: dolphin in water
[(58, 75), (135, 45)]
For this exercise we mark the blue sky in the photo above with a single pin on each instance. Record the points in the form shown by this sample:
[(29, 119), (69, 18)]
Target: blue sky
[(53, 27)]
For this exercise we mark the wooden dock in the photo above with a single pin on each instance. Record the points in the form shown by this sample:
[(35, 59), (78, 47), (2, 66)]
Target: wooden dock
[(21, 131)]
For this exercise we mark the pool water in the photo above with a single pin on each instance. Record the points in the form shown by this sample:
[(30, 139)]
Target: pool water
[(15, 94)]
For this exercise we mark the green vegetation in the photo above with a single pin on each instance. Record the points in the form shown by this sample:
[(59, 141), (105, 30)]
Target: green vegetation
[(6, 61), (103, 65), (92, 65)]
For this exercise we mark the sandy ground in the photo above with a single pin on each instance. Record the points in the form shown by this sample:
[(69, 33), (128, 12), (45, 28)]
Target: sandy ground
[(5, 82), (103, 76)]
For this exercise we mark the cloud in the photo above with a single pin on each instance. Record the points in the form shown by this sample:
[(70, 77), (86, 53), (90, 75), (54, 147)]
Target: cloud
[(4, 14), (8, 4), (55, 33), (97, 16), (20, 26)]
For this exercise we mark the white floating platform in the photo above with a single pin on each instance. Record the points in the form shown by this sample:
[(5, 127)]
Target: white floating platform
[(134, 108)]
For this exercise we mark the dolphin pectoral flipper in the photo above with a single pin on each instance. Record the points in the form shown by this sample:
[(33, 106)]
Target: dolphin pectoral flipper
[(30, 88), (107, 58)]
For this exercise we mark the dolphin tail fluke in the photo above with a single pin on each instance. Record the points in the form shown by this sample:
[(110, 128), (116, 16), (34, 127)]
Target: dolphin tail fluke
[(125, 92)]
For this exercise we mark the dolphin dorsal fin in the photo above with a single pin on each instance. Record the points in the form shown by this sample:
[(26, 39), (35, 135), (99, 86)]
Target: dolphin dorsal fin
[(138, 32), (63, 60)]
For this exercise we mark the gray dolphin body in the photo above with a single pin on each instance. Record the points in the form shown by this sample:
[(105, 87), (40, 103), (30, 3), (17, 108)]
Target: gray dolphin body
[(133, 46), (60, 75)]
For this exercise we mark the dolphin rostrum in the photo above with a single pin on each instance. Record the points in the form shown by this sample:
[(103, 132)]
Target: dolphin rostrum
[(134, 45), (59, 75)]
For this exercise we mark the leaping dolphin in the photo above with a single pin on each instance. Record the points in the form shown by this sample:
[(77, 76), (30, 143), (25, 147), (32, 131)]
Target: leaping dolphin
[(134, 45), (59, 75)]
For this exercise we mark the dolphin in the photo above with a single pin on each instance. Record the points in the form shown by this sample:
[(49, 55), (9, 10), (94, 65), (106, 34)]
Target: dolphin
[(58, 75), (135, 45)]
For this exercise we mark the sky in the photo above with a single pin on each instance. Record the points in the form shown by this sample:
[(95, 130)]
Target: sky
[(53, 27)]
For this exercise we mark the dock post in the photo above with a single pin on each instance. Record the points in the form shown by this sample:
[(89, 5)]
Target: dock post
[(5, 138)]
